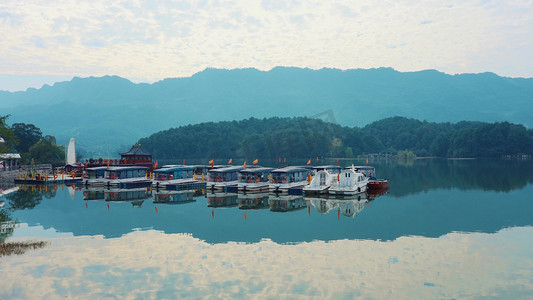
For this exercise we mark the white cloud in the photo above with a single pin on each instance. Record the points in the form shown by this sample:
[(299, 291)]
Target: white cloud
[(154, 40)]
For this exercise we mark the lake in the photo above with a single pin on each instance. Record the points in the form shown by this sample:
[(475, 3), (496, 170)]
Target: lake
[(445, 229)]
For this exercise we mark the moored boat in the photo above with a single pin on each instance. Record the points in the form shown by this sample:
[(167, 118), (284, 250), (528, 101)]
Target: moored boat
[(284, 179), (322, 180), (349, 182), (222, 178), (126, 177), (94, 176), (253, 180), (170, 177), (373, 182)]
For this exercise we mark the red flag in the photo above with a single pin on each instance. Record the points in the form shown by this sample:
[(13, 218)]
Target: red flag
[(309, 162), (337, 162), (86, 164), (367, 161), (155, 165), (184, 162), (255, 162), (280, 159), (244, 166), (212, 161), (317, 159), (230, 161)]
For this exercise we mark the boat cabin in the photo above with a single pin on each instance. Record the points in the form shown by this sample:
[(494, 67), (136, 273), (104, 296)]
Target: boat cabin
[(331, 168), (368, 171), (224, 174), (289, 174), (254, 175), (94, 173), (171, 173), (125, 172)]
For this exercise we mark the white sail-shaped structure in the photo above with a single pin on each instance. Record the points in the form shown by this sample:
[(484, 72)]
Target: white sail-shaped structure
[(71, 152)]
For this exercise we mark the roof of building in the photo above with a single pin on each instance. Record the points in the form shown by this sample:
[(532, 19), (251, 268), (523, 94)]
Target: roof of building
[(136, 150), (10, 156)]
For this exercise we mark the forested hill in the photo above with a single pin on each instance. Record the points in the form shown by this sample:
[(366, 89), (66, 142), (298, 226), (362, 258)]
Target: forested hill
[(271, 138), (103, 113)]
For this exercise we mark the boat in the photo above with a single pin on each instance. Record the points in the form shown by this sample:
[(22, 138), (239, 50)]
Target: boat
[(373, 182), (323, 178), (94, 176), (173, 176), (349, 182), (253, 180), (284, 179), (126, 177), (223, 178)]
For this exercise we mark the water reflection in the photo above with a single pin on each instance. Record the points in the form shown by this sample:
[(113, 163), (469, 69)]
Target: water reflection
[(154, 265), (428, 174)]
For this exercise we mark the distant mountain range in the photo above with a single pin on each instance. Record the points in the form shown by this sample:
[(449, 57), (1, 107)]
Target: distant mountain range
[(109, 113)]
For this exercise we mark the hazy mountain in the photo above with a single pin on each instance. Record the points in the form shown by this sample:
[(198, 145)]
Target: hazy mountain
[(104, 113)]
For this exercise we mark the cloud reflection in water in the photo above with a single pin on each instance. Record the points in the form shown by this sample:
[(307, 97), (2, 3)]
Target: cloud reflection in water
[(151, 264)]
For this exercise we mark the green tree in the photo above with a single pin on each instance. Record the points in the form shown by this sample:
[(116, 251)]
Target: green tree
[(10, 140), (46, 151), (27, 135)]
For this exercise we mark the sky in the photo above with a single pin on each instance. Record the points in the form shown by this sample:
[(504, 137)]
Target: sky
[(45, 41)]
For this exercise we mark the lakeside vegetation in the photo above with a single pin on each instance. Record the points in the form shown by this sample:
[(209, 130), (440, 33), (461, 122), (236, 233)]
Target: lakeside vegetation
[(29, 142), (271, 138)]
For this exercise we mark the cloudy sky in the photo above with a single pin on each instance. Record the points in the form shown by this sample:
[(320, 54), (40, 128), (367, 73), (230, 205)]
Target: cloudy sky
[(47, 41)]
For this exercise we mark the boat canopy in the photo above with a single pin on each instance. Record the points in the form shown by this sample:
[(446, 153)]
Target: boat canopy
[(258, 170), (290, 170)]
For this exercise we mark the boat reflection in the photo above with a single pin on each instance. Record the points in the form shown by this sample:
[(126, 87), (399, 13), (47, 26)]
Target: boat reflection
[(91, 193), (253, 201), (222, 199), (136, 195), (285, 203), (347, 206), (174, 197)]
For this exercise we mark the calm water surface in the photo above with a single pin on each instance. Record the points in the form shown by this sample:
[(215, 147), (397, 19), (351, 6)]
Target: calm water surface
[(445, 229)]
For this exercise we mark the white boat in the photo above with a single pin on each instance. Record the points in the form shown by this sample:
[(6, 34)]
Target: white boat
[(253, 180), (322, 180), (173, 176), (126, 177), (349, 182), (288, 178)]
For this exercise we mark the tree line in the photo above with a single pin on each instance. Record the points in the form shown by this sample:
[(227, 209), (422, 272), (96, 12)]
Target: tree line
[(29, 142), (298, 137)]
